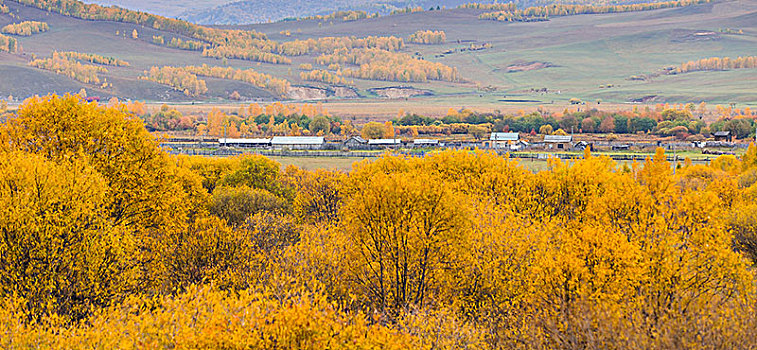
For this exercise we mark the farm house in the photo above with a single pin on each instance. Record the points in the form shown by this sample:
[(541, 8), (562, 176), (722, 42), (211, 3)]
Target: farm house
[(562, 142), (500, 140)]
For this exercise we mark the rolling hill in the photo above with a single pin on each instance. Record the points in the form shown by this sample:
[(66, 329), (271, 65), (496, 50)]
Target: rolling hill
[(615, 58), (260, 11), (168, 8)]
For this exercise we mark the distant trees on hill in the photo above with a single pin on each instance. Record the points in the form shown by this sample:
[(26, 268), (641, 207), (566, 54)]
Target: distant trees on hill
[(177, 43), (26, 28), (536, 13), (428, 37), (329, 44), (407, 10), (344, 16), (63, 64), (510, 6), (376, 56), (108, 61), (716, 63), (245, 53), (185, 79), (277, 86), (323, 76), (390, 66), (8, 44), (178, 78)]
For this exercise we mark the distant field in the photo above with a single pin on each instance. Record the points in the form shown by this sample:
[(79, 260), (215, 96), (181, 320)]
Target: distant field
[(346, 163), (590, 57)]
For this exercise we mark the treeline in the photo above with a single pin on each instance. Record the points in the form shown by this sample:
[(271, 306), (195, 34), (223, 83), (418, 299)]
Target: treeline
[(406, 10), (8, 44), (93, 58), (177, 43), (245, 53), (428, 37), (330, 44), (275, 119), (63, 64), (277, 86), (26, 28), (510, 6), (112, 241), (715, 64), (390, 66), (178, 78), (323, 76), (592, 121), (254, 120), (538, 13), (344, 16)]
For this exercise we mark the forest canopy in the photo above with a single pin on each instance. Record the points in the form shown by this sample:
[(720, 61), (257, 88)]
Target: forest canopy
[(106, 240)]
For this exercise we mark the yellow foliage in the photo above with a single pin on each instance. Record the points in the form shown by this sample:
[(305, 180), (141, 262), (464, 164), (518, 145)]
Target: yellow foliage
[(106, 241)]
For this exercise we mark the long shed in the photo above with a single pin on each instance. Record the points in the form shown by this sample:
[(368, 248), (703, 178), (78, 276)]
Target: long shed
[(298, 142)]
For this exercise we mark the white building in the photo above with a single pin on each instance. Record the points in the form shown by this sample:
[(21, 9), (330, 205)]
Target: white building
[(384, 143), (256, 143), (298, 142), (503, 140)]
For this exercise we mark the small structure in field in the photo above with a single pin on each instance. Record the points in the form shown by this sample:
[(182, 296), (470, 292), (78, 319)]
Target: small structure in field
[(621, 147), (561, 142), (247, 143), (723, 136), (355, 142), (425, 143), (384, 143), (298, 142), (582, 145)]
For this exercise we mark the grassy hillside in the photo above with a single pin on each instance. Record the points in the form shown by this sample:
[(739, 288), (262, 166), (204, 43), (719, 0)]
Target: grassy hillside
[(590, 57), (171, 8)]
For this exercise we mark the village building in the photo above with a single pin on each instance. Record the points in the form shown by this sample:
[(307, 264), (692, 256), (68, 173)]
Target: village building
[(425, 143), (724, 136), (356, 142), (298, 142), (561, 142), (247, 143), (502, 140), (384, 143)]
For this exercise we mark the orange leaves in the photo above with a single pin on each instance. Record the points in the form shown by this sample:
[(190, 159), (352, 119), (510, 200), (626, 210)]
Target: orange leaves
[(717, 63), (26, 28), (8, 44), (268, 82), (537, 13), (379, 64), (400, 224), (205, 317), (180, 79), (57, 246), (453, 249), (65, 64), (428, 37)]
